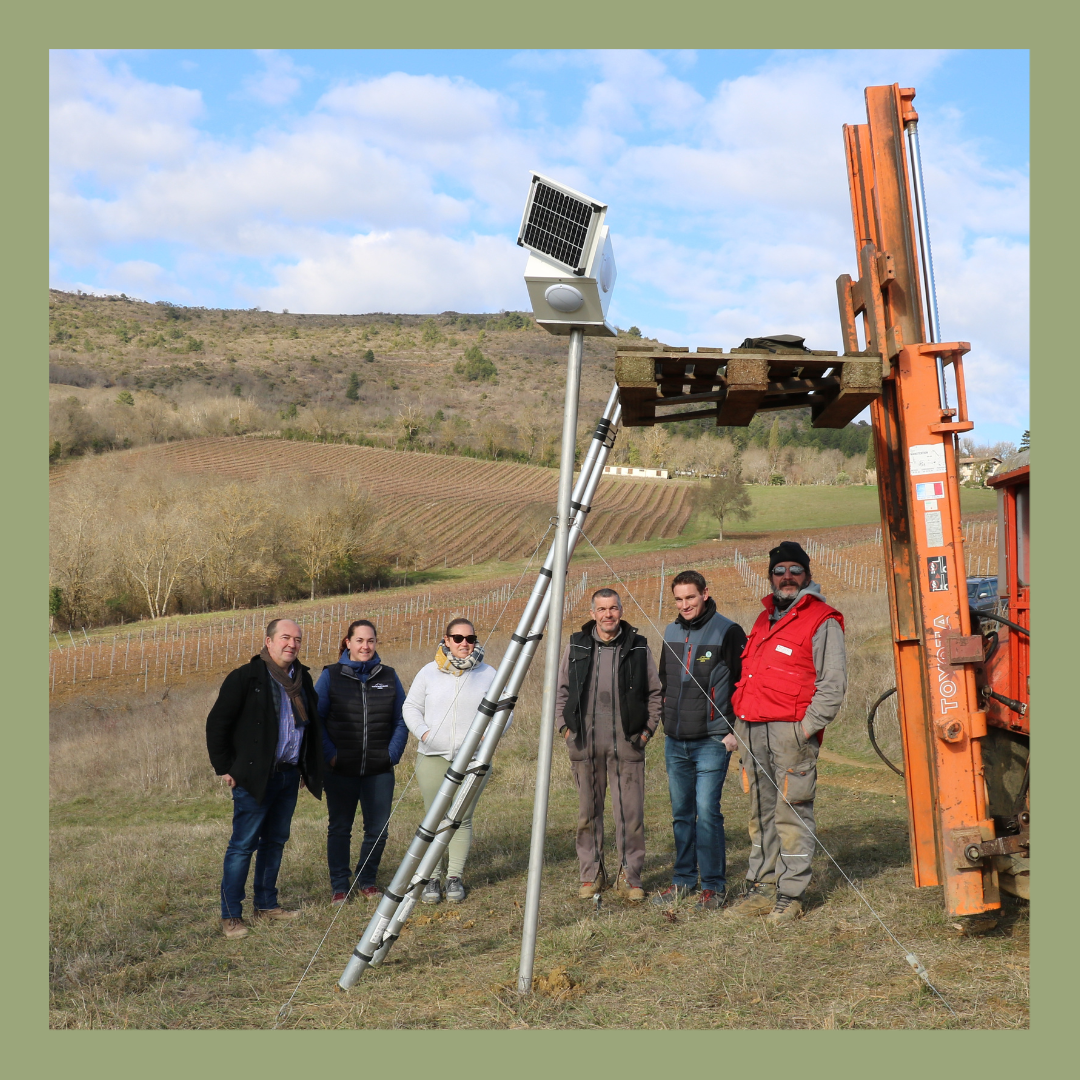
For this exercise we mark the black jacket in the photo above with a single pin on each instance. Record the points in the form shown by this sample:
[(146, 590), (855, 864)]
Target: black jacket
[(699, 668), (242, 730), (361, 719), (633, 679)]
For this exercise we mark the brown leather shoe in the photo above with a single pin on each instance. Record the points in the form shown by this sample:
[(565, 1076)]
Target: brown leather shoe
[(589, 889), (234, 928), (277, 913)]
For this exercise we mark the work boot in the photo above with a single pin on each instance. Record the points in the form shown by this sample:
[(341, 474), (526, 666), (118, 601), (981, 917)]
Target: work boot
[(455, 890), (758, 899), (787, 910), (709, 900), (634, 893), (589, 889), (277, 914), (432, 893), (234, 928), (671, 895)]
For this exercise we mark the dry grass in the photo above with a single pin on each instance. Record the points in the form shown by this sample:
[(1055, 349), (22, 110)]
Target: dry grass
[(140, 824)]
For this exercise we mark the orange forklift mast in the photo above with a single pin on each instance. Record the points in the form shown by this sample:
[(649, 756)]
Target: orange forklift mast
[(965, 760), (943, 717)]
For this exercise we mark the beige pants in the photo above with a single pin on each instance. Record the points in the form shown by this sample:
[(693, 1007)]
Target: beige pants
[(430, 771), (783, 763)]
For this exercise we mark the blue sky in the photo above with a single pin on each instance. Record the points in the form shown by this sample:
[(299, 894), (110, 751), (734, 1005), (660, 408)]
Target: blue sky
[(352, 181)]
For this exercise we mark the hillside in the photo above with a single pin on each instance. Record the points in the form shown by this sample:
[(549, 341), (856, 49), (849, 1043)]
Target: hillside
[(283, 370), (454, 511), (126, 373)]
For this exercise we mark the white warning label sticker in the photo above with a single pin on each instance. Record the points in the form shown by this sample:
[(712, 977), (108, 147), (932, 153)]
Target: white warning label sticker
[(926, 458), (934, 535)]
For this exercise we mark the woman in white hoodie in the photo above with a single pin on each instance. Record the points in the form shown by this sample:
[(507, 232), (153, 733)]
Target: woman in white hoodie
[(439, 710)]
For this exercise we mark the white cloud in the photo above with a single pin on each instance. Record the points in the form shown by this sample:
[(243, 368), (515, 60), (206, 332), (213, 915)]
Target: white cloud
[(106, 123), (403, 271), (402, 192), (418, 109), (279, 80)]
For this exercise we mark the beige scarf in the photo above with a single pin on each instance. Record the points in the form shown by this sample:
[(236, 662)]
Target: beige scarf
[(457, 665)]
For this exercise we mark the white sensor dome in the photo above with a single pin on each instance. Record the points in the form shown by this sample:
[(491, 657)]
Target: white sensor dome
[(564, 297), (607, 272)]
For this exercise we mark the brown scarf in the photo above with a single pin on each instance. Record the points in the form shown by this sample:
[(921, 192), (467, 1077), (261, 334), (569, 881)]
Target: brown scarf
[(293, 686)]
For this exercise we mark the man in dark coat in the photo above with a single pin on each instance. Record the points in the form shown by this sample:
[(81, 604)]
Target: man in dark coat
[(264, 737), (607, 706)]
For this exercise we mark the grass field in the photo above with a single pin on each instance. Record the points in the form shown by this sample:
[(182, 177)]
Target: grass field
[(818, 506), (139, 825)]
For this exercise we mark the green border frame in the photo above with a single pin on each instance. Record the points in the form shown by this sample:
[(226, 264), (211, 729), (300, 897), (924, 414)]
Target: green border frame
[(1037, 25)]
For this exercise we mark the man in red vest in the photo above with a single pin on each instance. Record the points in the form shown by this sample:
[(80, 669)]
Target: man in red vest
[(794, 674)]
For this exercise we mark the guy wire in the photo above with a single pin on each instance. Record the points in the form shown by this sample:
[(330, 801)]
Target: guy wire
[(911, 959), (285, 1009)]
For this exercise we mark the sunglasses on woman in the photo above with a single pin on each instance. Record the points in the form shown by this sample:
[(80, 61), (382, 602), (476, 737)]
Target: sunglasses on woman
[(457, 639)]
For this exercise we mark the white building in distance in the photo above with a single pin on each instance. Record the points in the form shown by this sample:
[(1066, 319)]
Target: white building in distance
[(623, 470)]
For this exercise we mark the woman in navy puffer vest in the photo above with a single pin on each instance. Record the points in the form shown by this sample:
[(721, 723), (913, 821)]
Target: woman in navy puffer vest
[(364, 737)]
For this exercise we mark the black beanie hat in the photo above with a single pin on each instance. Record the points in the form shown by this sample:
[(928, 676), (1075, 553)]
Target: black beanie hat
[(789, 551)]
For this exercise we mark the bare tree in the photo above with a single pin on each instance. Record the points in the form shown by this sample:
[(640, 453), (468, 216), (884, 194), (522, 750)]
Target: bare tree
[(317, 537), (333, 523), (657, 446), (726, 497), (76, 517), (159, 544), (238, 547), (774, 445), (714, 455), (539, 427), (410, 420), (494, 436)]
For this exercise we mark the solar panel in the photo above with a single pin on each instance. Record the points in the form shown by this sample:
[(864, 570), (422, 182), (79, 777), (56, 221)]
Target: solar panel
[(558, 225)]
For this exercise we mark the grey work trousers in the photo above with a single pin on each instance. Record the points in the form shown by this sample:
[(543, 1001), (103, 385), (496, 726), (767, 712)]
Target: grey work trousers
[(608, 758), (781, 828)]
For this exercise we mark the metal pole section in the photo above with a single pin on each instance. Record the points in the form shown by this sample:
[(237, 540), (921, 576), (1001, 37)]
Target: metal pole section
[(470, 791), (660, 602), (926, 258), (469, 795), (911, 129), (408, 881), (552, 657)]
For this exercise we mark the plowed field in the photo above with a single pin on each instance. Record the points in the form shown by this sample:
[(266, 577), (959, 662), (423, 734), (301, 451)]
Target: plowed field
[(455, 509)]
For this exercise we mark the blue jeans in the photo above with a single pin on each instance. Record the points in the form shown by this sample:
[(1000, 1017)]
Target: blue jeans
[(375, 795), (259, 829), (696, 769)]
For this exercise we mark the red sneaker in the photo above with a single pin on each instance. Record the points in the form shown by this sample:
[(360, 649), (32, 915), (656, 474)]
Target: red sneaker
[(709, 900), (339, 898), (369, 892)]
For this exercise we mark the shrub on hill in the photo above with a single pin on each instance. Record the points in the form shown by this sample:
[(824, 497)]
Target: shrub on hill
[(475, 366)]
